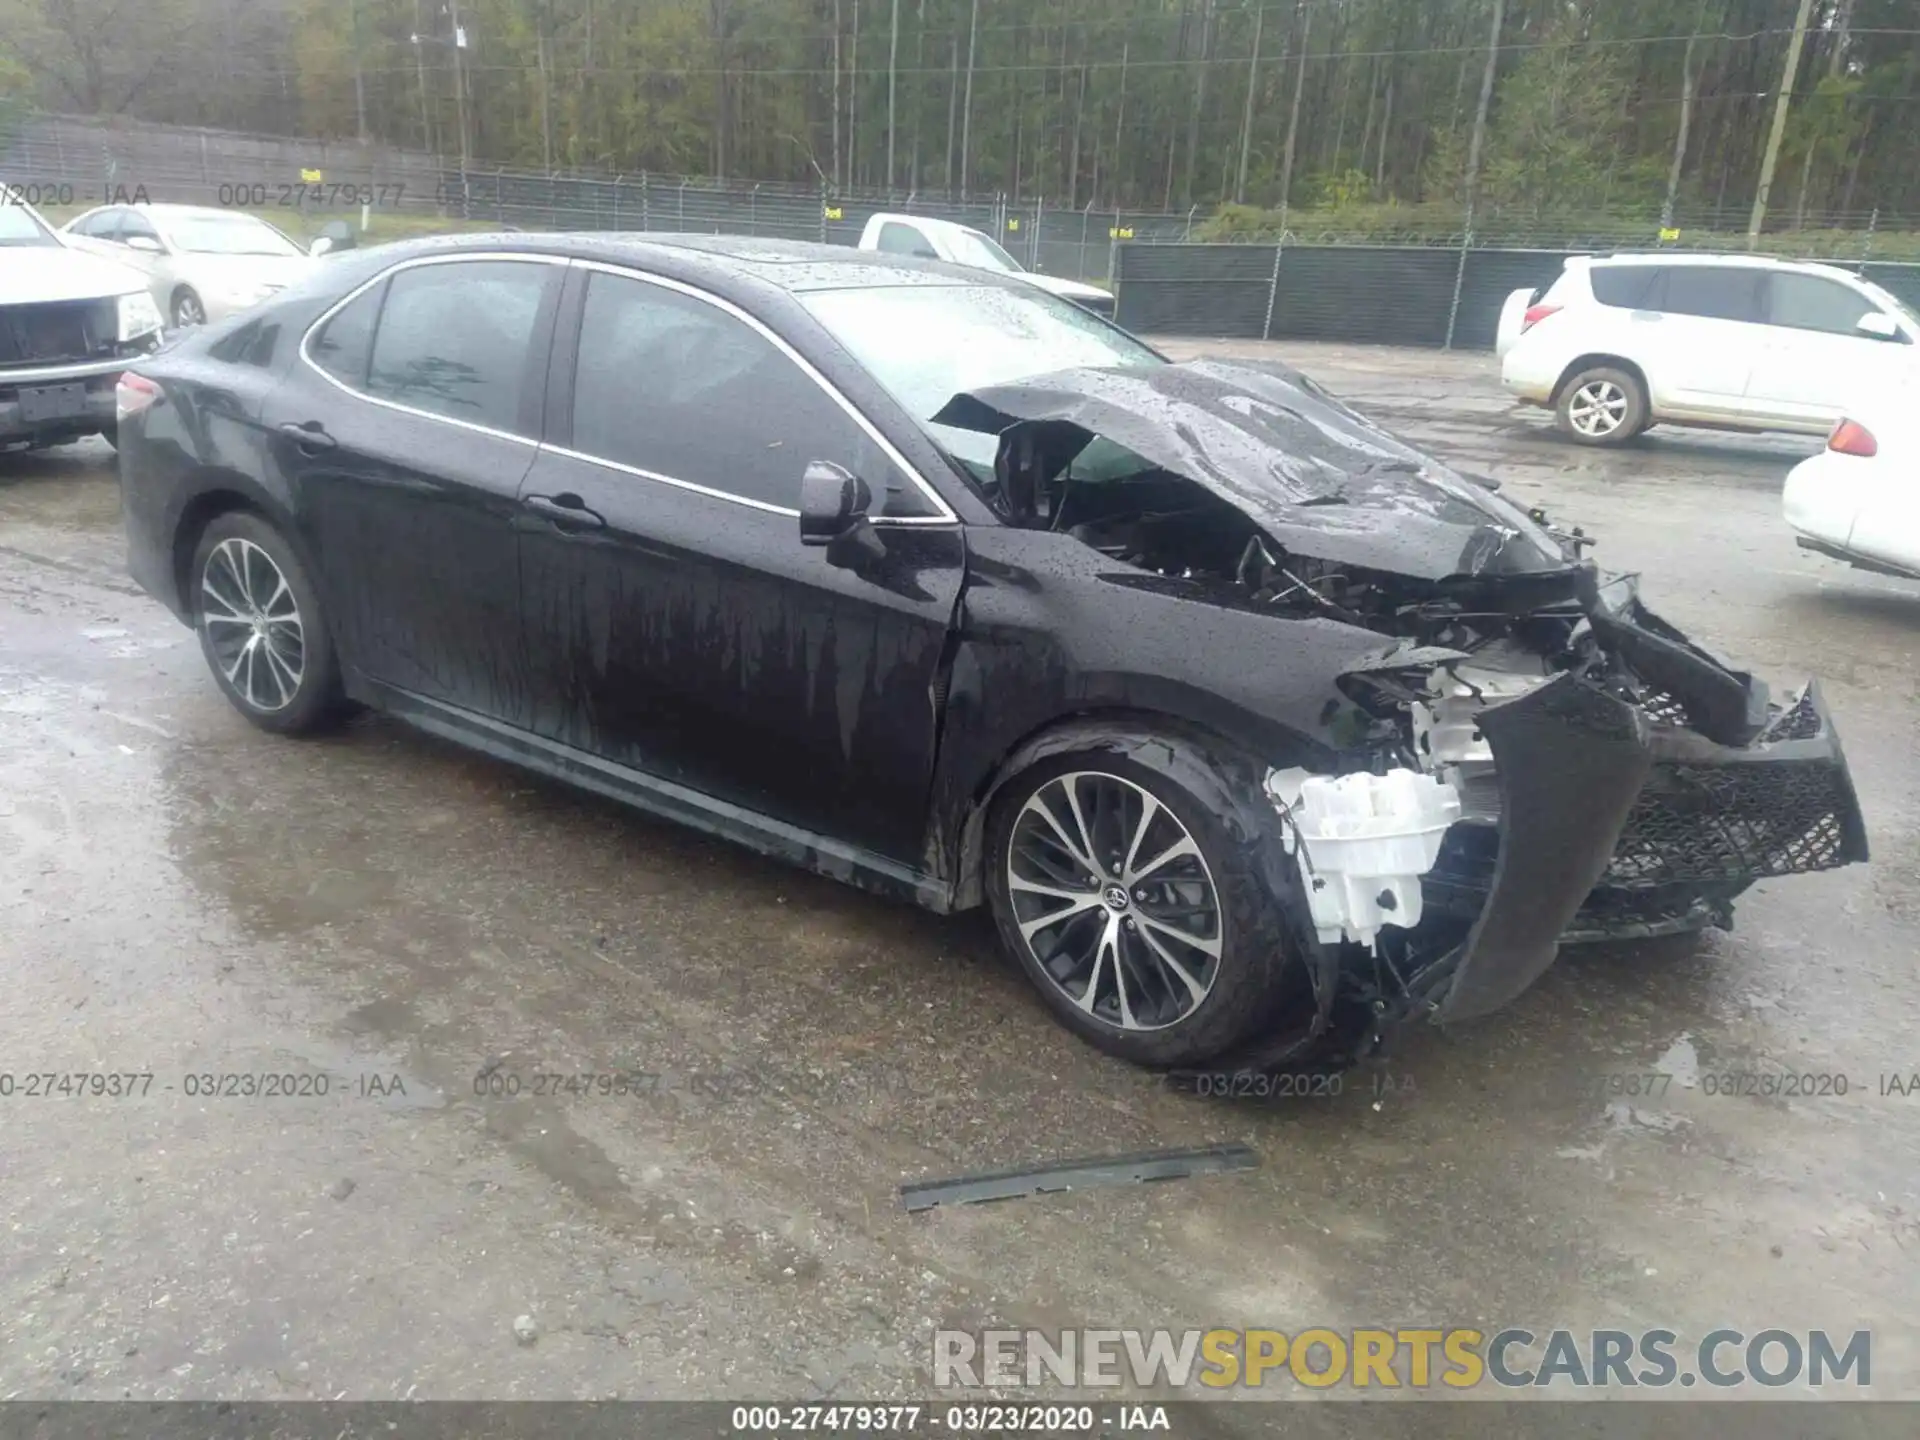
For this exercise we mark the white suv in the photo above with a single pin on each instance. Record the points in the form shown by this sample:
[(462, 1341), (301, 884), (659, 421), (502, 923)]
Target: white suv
[(1733, 342)]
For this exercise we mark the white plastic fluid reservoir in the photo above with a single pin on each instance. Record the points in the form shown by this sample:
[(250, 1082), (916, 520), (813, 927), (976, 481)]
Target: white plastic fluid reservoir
[(1368, 840)]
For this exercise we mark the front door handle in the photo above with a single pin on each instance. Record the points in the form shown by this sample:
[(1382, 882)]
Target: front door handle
[(310, 435), (565, 510)]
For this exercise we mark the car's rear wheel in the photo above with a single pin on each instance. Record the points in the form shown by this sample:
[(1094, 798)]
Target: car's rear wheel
[(262, 628), (1603, 406), (1141, 923)]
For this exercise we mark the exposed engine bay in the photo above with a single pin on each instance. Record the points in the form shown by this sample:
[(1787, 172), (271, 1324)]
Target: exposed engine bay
[(1535, 759)]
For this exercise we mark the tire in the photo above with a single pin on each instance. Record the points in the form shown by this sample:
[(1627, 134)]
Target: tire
[(187, 308), (262, 603), (1602, 405), (1243, 985)]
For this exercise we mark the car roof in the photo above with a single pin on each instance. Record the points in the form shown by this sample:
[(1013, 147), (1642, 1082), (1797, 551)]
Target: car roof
[(925, 222), (797, 266), (1755, 262)]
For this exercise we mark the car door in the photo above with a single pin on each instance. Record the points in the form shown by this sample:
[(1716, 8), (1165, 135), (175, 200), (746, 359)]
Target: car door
[(680, 627), (1815, 361), (1698, 354), (404, 434)]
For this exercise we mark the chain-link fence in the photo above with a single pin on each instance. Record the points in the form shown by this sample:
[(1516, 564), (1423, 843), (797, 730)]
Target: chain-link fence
[(65, 164), (1363, 294)]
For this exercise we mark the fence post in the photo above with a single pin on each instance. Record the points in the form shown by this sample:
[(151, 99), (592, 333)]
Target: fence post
[(616, 201), (1033, 252), (1273, 288), (753, 228), (683, 204), (1188, 234), (500, 193), (1873, 223), (1113, 254), (646, 205), (1459, 278)]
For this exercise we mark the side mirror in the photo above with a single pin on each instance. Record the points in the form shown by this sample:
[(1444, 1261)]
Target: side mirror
[(833, 512), (1879, 325), (339, 236), (833, 503), (321, 245), (145, 243)]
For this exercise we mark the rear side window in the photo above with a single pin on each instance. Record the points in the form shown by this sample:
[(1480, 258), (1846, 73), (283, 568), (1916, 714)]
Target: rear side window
[(682, 389), (454, 340), (1716, 292), (1809, 302), (341, 346), (1626, 287), (898, 239)]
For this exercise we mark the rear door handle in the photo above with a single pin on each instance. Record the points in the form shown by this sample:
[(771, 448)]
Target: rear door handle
[(310, 435), (565, 510)]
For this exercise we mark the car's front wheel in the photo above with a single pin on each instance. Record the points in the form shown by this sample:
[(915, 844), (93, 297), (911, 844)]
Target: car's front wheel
[(188, 309), (1141, 922), (262, 627), (1603, 406)]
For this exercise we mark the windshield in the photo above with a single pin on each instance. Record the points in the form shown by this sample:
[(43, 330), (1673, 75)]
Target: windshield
[(970, 247), (228, 235), (19, 225), (929, 343)]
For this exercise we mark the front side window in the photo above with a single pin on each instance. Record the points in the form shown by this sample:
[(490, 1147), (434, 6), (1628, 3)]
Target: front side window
[(134, 225), (1810, 302), (898, 239), (970, 247), (677, 387), (454, 339), (1716, 292)]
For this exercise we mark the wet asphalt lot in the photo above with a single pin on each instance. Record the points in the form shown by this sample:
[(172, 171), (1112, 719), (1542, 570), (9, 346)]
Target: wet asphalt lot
[(181, 895)]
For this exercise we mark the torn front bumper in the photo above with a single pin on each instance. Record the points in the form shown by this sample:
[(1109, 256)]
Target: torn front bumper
[(1613, 823)]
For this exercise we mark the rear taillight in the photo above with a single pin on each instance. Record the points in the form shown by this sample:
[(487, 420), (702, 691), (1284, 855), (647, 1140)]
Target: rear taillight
[(1850, 437), (1535, 314), (133, 394)]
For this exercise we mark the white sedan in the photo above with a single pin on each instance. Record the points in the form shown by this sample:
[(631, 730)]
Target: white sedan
[(201, 264), (1859, 499)]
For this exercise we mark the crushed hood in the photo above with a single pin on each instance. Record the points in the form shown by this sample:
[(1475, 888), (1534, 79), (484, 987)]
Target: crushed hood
[(1314, 475)]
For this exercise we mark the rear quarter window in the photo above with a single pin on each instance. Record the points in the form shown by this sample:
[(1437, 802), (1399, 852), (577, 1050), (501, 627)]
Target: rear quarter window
[(1627, 287)]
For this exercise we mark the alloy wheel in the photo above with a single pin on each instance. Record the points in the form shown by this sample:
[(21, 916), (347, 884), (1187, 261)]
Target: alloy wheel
[(187, 310), (252, 624), (1114, 901), (1597, 409)]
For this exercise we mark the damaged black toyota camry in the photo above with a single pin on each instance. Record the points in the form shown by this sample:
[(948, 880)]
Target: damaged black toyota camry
[(1261, 734)]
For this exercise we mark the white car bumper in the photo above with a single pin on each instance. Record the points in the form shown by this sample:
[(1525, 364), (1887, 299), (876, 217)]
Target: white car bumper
[(1822, 496)]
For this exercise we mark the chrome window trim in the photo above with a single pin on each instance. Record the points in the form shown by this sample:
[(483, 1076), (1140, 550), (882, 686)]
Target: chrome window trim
[(946, 515), (306, 340)]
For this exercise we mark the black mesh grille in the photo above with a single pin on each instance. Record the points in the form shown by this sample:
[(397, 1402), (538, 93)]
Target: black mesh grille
[(1799, 721), (50, 333), (1733, 822)]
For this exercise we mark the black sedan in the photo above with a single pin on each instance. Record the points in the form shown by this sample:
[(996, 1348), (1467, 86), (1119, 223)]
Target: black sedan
[(1260, 733)]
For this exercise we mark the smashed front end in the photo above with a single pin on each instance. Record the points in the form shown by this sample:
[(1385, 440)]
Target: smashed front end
[(1597, 802), (1528, 757)]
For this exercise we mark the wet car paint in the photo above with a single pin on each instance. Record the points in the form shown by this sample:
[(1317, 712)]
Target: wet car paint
[(685, 653)]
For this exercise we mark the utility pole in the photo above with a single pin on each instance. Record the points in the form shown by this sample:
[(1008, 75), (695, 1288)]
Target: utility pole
[(893, 80), (1293, 120), (460, 86), (1780, 108), (420, 73), (1479, 140), (1246, 118), (966, 107), (836, 96), (359, 82)]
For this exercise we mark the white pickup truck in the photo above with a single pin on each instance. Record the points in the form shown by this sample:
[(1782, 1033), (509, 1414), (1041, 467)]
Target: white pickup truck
[(69, 324), (932, 239)]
